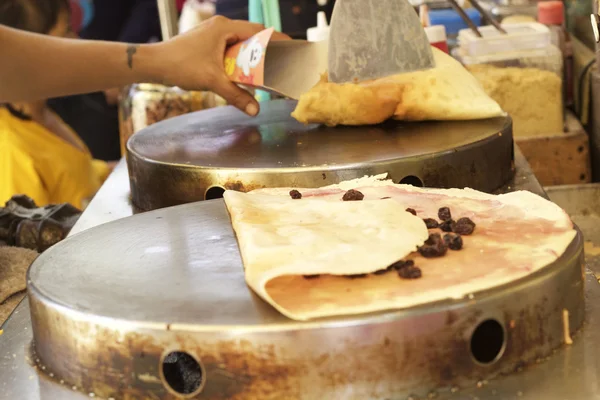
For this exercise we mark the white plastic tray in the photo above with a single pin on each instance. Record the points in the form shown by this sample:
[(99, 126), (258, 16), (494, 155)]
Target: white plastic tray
[(519, 37)]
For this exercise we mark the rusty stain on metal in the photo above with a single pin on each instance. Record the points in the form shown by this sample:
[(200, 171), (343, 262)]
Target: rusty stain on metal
[(240, 186)]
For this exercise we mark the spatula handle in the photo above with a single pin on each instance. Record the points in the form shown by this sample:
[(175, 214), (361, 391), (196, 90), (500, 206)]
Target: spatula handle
[(465, 17), (486, 15)]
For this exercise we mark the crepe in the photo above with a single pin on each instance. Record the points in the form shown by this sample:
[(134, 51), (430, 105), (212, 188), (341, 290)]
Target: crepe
[(284, 242), (446, 92)]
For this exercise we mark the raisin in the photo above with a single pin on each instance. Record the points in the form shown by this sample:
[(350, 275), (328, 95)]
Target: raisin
[(464, 226), (454, 242), (431, 223), (433, 239), (444, 214), (311, 276), (398, 265), (411, 272), (296, 195), (411, 210), (353, 195), (447, 226), (437, 249), (355, 276)]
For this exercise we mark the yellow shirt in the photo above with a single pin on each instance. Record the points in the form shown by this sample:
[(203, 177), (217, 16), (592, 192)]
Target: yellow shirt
[(41, 165)]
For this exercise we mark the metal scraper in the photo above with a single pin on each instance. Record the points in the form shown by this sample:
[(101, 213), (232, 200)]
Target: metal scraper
[(371, 39)]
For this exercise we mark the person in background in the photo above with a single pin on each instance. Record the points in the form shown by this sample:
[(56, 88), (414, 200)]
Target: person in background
[(296, 15), (127, 21), (95, 115), (40, 155)]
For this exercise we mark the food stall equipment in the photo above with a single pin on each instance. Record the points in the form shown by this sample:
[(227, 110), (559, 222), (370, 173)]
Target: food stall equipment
[(156, 305)]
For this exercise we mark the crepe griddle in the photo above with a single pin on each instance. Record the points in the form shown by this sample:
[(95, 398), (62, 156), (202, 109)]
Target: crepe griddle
[(199, 155), (155, 306)]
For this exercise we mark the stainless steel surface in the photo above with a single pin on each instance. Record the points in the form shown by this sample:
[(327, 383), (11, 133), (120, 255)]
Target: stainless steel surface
[(582, 202), (374, 39), (569, 374), (572, 373), (177, 161), (167, 12), (112, 201), (18, 378), (172, 279)]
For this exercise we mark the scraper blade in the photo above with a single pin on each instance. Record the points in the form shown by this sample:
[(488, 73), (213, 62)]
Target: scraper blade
[(372, 39)]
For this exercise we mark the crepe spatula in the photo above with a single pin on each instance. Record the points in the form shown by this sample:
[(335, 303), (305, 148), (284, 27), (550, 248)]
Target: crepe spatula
[(371, 39)]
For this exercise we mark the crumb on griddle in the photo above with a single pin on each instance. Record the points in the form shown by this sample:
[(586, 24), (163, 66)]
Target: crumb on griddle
[(309, 277), (444, 214), (464, 226), (411, 272), (447, 226), (431, 223), (353, 195), (411, 210), (296, 195), (453, 241)]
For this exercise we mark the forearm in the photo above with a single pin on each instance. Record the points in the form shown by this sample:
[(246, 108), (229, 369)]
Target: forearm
[(38, 66)]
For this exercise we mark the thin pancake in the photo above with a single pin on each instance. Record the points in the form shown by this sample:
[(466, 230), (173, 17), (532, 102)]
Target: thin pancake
[(446, 92), (516, 235)]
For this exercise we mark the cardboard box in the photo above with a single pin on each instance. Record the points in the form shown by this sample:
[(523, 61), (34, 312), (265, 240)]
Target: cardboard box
[(287, 68)]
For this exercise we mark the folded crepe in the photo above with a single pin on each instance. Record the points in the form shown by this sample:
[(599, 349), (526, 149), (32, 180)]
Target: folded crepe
[(317, 256), (446, 92)]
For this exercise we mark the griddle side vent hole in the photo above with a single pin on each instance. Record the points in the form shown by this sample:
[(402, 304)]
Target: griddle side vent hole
[(214, 192), (488, 342), (182, 374), (411, 180)]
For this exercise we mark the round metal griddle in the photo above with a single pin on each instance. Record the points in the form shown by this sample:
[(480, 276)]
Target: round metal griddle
[(110, 305), (195, 156)]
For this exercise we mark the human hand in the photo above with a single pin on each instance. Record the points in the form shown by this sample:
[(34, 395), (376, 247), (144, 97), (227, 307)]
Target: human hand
[(195, 60)]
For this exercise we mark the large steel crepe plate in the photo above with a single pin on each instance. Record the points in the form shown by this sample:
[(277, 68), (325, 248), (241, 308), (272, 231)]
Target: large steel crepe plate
[(116, 307), (195, 156)]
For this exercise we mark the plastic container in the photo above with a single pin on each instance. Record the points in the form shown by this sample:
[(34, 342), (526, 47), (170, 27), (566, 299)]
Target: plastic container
[(194, 12), (526, 45), (437, 37), (519, 37), (552, 14), (319, 32), (453, 23), (548, 59), (524, 75), (145, 104)]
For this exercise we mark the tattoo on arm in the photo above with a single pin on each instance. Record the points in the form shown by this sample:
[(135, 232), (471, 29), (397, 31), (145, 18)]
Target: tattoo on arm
[(131, 50)]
